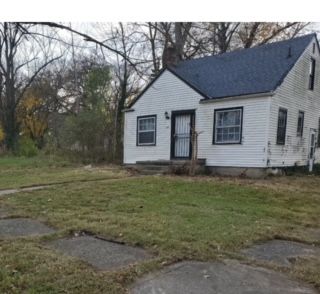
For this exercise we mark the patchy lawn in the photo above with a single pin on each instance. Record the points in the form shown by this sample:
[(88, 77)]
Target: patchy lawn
[(172, 217), (17, 172)]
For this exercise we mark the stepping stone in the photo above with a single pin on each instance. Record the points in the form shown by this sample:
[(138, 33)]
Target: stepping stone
[(101, 254), (281, 251), (22, 227), (217, 278)]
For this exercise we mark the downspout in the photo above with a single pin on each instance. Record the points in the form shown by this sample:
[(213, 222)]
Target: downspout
[(268, 131)]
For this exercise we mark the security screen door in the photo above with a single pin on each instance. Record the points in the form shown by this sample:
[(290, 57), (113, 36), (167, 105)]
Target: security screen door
[(182, 135)]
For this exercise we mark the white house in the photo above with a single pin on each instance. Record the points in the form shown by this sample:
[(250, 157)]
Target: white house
[(255, 109)]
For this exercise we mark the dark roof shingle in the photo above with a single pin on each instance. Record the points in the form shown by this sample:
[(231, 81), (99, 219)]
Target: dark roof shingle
[(248, 71)]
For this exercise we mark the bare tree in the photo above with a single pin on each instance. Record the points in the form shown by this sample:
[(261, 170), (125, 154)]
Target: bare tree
[(17, 74), (126, 83)]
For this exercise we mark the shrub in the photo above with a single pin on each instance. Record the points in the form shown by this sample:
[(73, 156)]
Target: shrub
[(27, 147), (85, 136)]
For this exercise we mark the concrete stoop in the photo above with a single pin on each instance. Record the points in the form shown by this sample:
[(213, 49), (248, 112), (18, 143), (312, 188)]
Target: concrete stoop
[(158, 167)]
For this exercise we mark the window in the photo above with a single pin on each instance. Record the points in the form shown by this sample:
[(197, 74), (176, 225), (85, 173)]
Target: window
[(319, 133), (227, 126), (300, 124), (282, 125), (311, 73), (146, 130)]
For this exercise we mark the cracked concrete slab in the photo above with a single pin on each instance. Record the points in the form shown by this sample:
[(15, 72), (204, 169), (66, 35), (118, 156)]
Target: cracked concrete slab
[(217, 278), (103, 255), (281, 252), (22, 227)]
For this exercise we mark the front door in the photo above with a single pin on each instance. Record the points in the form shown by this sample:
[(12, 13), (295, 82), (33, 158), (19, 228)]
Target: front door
[(182, 122)]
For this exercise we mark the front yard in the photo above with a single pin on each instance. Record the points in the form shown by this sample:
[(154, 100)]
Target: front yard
[(174, 218)]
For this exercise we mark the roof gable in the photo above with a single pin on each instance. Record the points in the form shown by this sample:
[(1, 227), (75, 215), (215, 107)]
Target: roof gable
[(242, 72)]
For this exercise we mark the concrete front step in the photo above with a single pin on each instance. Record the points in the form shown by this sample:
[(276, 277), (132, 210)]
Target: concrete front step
[(201, 161), (153, 167)]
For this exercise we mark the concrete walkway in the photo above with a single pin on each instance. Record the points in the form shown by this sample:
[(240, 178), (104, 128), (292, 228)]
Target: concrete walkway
[(281, 252), (27, 189), (101, 254), (22, 227), (190, 277), (229, 277)]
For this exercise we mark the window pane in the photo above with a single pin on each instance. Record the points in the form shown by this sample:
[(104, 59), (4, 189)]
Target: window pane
[(228, 126), (300, 123), (146, 138), (319, 133), (282, 124), (147, 124)]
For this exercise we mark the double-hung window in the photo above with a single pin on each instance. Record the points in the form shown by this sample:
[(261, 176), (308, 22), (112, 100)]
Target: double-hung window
[(312, 73), (227, 126), (300, 124), (318, 143), (146, 130), (282, 126)]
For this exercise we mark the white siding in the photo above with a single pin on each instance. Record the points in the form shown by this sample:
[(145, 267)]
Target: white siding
[(252, 151), (294, 95), (169, 93)]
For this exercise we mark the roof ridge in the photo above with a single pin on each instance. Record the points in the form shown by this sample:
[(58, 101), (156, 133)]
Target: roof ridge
[(244, 49)]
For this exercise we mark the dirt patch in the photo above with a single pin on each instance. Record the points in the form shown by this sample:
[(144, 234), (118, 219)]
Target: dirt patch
[(281, 252), (224, 278), (4, 212), (103, 255), (22, 227), (8, 192), (26, 189)]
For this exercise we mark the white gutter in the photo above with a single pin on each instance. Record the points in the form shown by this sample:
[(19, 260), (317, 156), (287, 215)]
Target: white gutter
[(266, 94)]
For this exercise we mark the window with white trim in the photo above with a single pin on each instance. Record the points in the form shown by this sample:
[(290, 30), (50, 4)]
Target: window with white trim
[(227, 126), (146, 130)]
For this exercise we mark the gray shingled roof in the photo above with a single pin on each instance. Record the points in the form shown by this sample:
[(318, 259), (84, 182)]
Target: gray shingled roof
[(249, 71)]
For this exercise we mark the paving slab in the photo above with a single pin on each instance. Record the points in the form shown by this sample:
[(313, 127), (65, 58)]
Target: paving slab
[(22, 227), (281, 251), (103, 255), (217, 278)]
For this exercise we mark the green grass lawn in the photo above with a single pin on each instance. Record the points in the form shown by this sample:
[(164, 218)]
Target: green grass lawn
[(172, 217), (17, 172)]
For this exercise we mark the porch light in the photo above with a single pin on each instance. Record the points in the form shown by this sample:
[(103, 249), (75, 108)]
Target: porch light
[(166, 114)]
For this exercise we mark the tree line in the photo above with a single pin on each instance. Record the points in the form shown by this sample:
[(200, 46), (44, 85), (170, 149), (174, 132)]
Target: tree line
[(65, 86)]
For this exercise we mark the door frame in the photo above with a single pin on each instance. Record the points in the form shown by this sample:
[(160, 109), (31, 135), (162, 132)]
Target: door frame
[(174, 114)]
